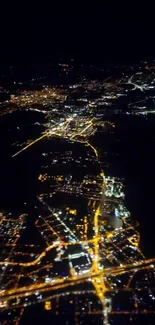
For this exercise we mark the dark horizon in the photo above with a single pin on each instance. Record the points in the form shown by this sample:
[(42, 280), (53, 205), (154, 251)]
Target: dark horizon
[(115, 32)]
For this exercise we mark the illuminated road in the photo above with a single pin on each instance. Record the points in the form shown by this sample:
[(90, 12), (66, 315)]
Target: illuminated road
[(54, 129), (71, 281), (43, 254), (44, 287), (136, 86), (81, 132), (31, 144), (96, 275), (143, 264), (98, 281), (33, 262)]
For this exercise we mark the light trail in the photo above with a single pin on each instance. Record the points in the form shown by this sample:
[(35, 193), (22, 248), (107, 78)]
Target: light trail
[(52, 131), (93, 148), (139, 101), (96, 253), (30, 144), (98, 281)]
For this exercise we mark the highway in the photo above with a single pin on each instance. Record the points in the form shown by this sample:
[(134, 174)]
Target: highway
[(143, 264), (44, 287), (71, 281), (31, 144), (54, 129)]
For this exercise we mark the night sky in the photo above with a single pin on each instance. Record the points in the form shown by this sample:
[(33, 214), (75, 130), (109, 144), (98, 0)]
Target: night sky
[(92, 31)]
